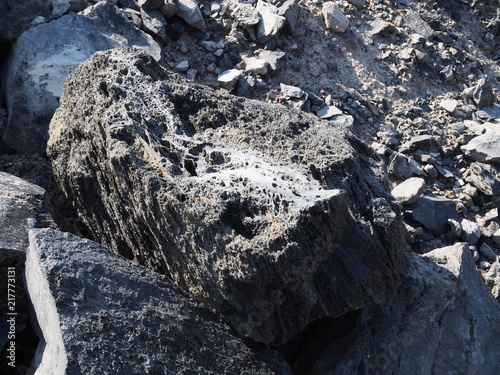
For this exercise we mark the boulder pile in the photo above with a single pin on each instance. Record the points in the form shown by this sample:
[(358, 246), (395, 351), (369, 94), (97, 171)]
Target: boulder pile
[(250, 186)]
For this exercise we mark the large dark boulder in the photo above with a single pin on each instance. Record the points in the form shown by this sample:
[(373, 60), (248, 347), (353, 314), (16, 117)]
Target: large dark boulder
[(102, 314), (268, 215)]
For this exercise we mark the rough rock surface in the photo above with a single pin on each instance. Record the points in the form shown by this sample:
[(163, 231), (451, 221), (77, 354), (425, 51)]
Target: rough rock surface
[(18, 14), (443, 320), (42, 59), (226, 195), (23, 206), (102, 314)]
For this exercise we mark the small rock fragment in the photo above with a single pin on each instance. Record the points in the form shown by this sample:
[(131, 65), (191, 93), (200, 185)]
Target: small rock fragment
[(329, 111), (408, 191), (488, 252), (291, 91), (449, 105), (229, 78), (335, 19), (246, 15), (483, 93), (470, 231), (189, 11)]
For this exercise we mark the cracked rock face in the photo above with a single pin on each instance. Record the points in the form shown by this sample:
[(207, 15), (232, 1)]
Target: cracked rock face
[(269, 216)]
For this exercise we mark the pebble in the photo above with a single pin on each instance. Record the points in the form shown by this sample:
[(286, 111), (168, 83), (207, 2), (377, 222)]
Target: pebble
[(183, 66), (335, 20), (449, 105)]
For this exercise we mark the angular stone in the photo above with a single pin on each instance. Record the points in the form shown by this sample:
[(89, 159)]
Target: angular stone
[(415, 23), (484, 148), (23, 206), (229, 78), (268, 232), (275, 59), (335, 20), (483, 93), (492, 279), (255, 65), (488, 252), (44, 56), (290, 10), (408, 191), (329, 111), (496, 237), (291, 91), (421, 142), (403, 167), (470, 231), (345, 121), (246, 15), (442, 320), (270, 21), (433, 212), (485, 177), (102, 314), (381, 27), (449, 105), (189, 11)]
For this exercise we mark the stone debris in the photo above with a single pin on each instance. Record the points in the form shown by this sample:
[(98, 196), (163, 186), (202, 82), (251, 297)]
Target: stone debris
[(329, 111)]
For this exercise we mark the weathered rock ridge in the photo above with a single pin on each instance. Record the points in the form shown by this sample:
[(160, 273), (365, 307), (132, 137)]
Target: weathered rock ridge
[(102, 314), (270, 216)]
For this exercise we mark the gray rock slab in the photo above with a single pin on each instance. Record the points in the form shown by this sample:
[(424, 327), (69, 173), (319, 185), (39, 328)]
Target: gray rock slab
[(484, 148), (433, 212), (45, 55), (228, 196), (103, 314), (23, 206), (275, 59), (443, 320), (483, 93), (290, 10), (409, 190)]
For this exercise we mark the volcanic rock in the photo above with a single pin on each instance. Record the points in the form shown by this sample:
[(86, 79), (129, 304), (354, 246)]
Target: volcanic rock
[(266, 214), (100, 314)]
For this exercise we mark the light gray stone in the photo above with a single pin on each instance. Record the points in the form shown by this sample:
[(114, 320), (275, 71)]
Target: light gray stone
[(255, 65), (449, 105), (275, 59), (189, 11), (492, 279), (484, 148), (291, 91), (270, 21), (329, 111), (229, 78), (345, 121), (409, 190), (335, 20), (228, 196), (42, 59), (102, 314), (246, 15), (290, 10)]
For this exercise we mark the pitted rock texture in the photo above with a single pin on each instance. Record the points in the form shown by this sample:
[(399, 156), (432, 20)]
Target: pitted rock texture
[(103, 314), (270, 216)]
